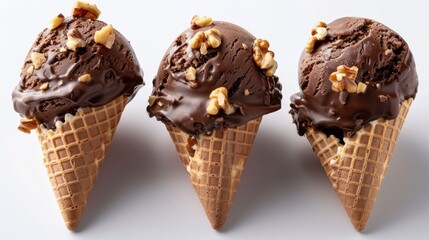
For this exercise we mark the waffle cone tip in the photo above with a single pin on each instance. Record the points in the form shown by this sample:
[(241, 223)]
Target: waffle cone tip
[(216, 223), (72, 226), (359, 226), (72, 217)]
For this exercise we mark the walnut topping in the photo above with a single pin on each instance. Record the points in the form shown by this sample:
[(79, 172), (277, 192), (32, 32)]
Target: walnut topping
[(246, 92), (219, 100), (151, 100), (26, 125), (44, 87), (361, 87), (245, 47), (160, 104), (84, 78), (263, 57), (105, 36), (203, 40), (56, 21), (318, 33), (200, 21), (344, 79), (63, 50), (75, 40), (388, 51), (38, 59), (30, 69), (84, 9), (191, 76)]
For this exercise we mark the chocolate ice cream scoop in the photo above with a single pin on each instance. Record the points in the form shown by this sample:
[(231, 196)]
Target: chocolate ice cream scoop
[(353, 71), (78, 61), (214, 75)]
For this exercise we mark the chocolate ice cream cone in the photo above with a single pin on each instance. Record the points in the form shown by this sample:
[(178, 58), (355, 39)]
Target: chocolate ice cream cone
[(215, 163), (75, 82), (352, 105), (213, 86), (74, 152), (357, 168)]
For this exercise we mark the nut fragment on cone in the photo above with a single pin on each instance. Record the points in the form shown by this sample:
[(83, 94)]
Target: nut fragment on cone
[(215, 163), (74, 153), (356, 168)]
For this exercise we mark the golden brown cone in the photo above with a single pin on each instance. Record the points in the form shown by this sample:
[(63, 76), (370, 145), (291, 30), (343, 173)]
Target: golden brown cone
[(357, 167), (215, 163), (74, 152)]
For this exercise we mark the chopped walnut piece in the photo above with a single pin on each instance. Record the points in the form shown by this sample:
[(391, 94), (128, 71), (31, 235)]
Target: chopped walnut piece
[(160, 103), (219, 100), (264, 58), (213, 37), (63, 50), (191, 76), (75, 40), (105, 36), (84, 78), (246, 92), (38, 59), (151, 100), (30, 69), (388, 51), (84, 9), (200, 21), (26, 124), (344, 79), (361, 87), (56, 21), (204, 40), (24, 129), (44, 87), (245, 47), (318, 33)]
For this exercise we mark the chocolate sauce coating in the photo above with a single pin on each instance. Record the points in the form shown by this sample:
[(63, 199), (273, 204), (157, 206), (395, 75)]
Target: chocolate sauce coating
[(385, 64), (114, 72), (231, 65)]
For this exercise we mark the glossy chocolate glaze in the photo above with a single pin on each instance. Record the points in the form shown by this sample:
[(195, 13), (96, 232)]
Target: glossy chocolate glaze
[(385, 64), (114, 72), (231, 65)]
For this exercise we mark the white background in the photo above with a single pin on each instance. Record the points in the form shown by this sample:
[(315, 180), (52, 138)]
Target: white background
[(143, 191)]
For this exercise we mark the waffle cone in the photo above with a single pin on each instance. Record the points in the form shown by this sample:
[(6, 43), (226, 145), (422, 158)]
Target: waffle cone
[(215, 163), (357, 167), (74, 152)]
